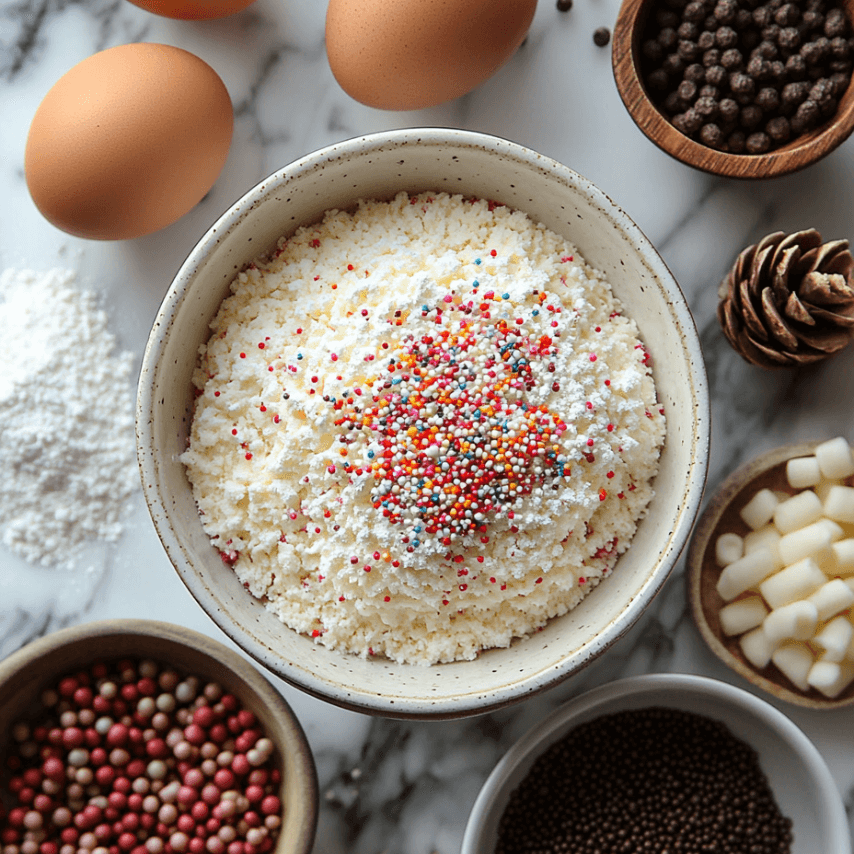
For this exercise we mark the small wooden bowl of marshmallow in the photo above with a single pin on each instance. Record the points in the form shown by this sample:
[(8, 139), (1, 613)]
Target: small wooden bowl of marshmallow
[(771, 573)]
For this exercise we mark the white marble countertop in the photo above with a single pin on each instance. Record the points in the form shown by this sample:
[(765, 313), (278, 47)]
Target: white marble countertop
[(391, 786)]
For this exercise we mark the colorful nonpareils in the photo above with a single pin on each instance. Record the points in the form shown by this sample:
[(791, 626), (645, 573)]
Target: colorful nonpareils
[(132, 757), (459, 442)]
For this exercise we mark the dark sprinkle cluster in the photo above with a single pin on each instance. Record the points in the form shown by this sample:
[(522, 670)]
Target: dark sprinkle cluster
[(746, 76), (657, 781)]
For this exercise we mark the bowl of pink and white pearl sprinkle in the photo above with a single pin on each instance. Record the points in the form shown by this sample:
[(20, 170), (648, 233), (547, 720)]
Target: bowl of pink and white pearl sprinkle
[(148, 738)]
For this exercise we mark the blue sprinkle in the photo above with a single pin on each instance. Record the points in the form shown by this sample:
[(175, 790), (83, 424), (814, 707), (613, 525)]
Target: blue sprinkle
[(417, 529), (370, 455), (505, 296), (477, 261), (299, 356), (535, 312), (476, 283), (396, 381)]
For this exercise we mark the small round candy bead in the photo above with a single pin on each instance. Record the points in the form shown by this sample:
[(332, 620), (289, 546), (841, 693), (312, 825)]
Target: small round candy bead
[(195, 778), (240, 765), (209, 750), (184, 692), (271, 805)]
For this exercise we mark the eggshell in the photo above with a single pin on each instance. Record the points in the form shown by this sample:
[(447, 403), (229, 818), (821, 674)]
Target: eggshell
[(128, 141), (410, 54), (192, 10)]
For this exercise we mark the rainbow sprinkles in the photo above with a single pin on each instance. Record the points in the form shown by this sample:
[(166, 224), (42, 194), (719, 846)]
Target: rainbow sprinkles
[(423, 428)]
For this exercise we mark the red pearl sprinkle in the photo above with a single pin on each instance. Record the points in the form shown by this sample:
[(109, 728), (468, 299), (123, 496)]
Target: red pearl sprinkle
[(121, 763)]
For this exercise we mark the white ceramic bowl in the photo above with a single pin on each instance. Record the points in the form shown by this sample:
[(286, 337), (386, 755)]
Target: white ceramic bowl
[(798, 776), (379, 166)]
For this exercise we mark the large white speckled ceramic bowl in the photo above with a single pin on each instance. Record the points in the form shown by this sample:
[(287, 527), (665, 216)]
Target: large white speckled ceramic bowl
[(379, 166)]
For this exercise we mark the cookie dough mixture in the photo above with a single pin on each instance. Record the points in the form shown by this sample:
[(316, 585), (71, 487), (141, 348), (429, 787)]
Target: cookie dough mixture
[(423, 428)]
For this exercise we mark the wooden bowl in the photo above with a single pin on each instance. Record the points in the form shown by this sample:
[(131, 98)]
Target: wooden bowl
[(795, 155), (721, 515), (40, 664)]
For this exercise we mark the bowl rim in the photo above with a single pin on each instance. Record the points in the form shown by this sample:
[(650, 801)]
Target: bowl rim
[(699, 545), (358, 697), (296, 753), (797, 154), (561, 720)]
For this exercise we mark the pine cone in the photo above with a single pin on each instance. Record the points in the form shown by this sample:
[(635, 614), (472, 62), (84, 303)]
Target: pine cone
[(789, 300)]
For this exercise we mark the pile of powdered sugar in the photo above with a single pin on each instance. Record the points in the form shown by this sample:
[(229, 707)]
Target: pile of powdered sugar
[(66, 420)]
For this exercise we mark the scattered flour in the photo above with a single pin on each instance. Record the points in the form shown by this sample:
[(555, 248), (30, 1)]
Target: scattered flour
[(66, 420), (423, 428)]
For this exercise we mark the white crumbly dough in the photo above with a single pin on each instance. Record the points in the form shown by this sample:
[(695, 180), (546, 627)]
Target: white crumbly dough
[(67, 447), (423, 428)]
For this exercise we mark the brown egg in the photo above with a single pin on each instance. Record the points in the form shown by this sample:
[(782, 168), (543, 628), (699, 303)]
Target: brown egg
[(409, 54), (193, 10), (128, 141)]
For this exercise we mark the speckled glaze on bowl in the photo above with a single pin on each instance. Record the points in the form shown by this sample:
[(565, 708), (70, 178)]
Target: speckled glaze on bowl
[(379, 166), (799, 778), (40, 664)]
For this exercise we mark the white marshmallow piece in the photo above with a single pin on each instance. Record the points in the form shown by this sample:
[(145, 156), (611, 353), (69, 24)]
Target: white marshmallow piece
[(757, 648), (830, 678), (843, 553), (834, 639), (760, 509), (802, 472), (832, 598), (742, 615), (795, 582), (835, 459), (822, 490), (839, 504), (796, 621), (745, 573), (796, 512), (765, 537), (813, 540), (728, 549), (794, 660)]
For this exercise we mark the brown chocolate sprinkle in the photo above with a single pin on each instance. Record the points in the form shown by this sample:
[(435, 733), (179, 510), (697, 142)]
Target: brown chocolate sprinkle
[(649, 780), (601, 36)]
